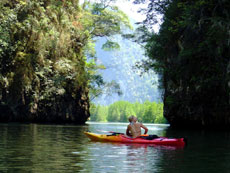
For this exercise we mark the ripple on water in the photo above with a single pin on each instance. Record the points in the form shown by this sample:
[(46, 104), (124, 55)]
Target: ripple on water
[(89, 159), (94, 148), (111, 156), (107, 166), (76, 152)]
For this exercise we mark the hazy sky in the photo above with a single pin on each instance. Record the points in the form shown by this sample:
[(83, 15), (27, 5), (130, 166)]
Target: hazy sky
[(128, 7), (131, 10)]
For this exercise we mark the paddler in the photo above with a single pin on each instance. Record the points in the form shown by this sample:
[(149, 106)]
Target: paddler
[(134, 128)]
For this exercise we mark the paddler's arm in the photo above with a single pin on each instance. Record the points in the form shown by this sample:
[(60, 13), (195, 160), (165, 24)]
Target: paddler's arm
[(127, 131), (146, 129)]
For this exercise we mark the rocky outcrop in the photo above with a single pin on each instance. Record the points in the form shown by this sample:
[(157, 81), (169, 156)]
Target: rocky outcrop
[(199, 104), (65, 110), (191, 52)]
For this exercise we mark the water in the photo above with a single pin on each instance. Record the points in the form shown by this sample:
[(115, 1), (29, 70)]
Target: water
[(64, 148)]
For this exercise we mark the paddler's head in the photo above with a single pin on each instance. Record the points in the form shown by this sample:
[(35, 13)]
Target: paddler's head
[(134, 119), (131, 118)]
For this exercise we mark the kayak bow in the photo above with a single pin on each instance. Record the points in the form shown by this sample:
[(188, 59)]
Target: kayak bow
[(117, 137)]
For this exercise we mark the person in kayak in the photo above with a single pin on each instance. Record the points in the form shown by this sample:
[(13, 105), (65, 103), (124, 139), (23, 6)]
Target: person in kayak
[(134, 128)]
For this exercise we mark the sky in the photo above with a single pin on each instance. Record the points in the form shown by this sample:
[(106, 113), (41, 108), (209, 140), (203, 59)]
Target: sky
[(131, 10), (128, 7)]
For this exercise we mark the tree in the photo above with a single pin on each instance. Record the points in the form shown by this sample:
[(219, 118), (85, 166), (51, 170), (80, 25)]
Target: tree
[(45, 73), (191, 54), (148, 112), (102, 19), (102, 114)]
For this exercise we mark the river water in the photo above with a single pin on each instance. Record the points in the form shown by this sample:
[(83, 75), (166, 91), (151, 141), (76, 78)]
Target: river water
[(65, 148)]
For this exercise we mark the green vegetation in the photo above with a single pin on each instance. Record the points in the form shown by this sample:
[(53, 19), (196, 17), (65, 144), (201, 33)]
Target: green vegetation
[(148, 112), (48, 59), (191, 53)]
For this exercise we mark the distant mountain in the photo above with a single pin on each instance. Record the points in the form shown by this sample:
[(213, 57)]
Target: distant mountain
[(120, 67)]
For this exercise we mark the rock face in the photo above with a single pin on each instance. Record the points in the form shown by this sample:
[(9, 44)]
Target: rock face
[(199, 104), (68, 110), (191, 52), (196, 117), (43, 73)]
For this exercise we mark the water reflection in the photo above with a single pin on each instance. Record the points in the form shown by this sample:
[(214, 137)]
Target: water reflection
[(115, 157), (55, 148), (39, 148)]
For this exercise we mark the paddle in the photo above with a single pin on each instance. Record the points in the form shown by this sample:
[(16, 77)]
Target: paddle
[(109, 132)]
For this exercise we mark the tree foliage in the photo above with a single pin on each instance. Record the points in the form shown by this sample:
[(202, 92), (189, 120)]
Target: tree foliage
[(45, 74), (191, 53), (148, 112), (103, 19)]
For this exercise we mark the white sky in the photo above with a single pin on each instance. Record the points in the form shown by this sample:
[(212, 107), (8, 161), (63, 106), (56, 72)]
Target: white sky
[(129, 8)]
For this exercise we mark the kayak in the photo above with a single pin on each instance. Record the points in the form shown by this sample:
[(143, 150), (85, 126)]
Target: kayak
[(121, 138)]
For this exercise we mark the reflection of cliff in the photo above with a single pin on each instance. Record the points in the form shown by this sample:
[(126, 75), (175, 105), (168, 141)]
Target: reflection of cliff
[(206, 151), (41, 148), (120, 67)]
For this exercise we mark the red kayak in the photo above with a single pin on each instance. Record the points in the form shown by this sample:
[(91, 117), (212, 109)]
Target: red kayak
[(118, 137)]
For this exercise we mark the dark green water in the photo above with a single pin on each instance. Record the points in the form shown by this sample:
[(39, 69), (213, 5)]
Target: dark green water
[(56, 148)]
